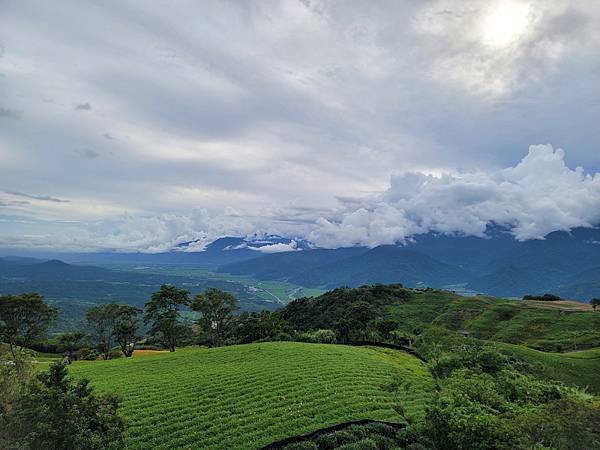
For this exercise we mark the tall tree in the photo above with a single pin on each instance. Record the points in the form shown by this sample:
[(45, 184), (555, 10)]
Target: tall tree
[(595, 302), (24, 319), (162, 313), (101, 320), (216, 308), (125, 328), (112, 323)]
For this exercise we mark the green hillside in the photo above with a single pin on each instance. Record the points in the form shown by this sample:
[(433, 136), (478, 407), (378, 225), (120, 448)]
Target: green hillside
[(248, 396), (555, 326), (548, 326), (580, 369)]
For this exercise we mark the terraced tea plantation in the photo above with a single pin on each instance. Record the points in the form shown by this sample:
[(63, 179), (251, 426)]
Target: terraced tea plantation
[(248, 396)]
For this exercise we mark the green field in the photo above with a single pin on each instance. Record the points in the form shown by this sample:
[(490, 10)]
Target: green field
[(277, 292), (247, 396)]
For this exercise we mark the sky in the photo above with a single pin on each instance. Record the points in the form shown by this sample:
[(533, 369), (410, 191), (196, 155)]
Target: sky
[(136, 125)]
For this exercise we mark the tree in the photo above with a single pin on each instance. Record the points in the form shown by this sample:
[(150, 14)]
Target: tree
[(71, 342), (114, 323), (53, 413), (385, 327), (595, 302), (125, 328), (162, 312), (344, 329), (24, 319), (216, 308), (101, 320), (250, 327)]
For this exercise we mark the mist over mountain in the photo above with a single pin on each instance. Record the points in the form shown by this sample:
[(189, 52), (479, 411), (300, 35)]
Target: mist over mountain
[(221, 251)]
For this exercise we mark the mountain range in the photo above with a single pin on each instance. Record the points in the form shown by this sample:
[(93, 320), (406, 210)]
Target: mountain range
[(563, 263)]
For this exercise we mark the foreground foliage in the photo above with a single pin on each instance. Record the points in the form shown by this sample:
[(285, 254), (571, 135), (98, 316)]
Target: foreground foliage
[(489, 398), (50, 412)]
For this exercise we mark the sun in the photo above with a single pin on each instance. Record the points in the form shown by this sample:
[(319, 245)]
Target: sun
[(505, 23)]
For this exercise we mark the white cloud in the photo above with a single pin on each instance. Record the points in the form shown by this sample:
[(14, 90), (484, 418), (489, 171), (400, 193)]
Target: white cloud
[(303, 103), (537, 196), (277, 248)]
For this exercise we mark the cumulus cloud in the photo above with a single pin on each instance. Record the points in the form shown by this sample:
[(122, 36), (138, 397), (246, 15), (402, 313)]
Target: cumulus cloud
[(265, 246), (277, 248), (539, 195)]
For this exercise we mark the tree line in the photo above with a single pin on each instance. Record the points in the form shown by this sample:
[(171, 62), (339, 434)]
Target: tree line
[(25, 320)]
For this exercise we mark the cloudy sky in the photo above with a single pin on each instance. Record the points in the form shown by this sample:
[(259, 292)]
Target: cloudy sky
[(138, 125)]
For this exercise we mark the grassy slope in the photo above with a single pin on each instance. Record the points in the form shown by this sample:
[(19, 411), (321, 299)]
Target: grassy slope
[(250, 395), (535, 324), (580, 369)]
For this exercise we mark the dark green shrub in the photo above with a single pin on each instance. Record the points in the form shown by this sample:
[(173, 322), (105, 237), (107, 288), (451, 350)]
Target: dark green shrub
[(88, 354), (53, 413)]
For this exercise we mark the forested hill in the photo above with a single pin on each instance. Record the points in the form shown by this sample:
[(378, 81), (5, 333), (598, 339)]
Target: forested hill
[(544, 325)]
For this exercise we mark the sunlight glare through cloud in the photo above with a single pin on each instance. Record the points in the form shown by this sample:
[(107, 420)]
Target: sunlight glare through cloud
[(506, 23)]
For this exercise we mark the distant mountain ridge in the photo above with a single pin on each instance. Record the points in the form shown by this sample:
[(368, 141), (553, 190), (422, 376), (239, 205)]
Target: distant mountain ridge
[(564, 263), (567, 263)]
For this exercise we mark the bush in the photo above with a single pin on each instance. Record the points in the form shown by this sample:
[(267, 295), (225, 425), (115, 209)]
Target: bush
[(317, 337), (543, 298), (53, 413), (402, 338), (115, 353), (567, 423), (88, 354)]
